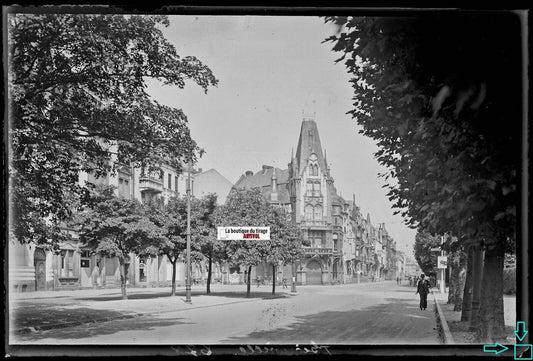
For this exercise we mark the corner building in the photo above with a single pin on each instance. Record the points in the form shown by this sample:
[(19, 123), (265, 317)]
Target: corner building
[(306, 190)]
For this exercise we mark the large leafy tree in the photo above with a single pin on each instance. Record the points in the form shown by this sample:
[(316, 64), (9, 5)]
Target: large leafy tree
[(117, 227), (441, 94), (171, 218), (285, 244), (244, 208), (205, 234), (78, 102), (426, 259)]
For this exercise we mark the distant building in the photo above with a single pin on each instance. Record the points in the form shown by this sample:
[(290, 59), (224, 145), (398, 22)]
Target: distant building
[(211, 181)]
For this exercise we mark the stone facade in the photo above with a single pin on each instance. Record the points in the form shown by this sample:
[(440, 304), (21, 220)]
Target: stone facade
[(343, 246)]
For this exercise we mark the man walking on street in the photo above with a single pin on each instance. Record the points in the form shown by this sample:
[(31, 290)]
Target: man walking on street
[(423, 289)]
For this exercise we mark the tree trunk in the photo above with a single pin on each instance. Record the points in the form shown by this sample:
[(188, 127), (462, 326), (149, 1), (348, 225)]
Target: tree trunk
[(248, 276), (173, 293), (491, 321), (122, 278), (466, 312), (461, 281), (209, 270), (452, 259), (273, 279), (476, 287)]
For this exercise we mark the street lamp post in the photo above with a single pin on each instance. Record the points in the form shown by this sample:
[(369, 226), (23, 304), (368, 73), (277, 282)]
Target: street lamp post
[(188, 280), (293, 284)]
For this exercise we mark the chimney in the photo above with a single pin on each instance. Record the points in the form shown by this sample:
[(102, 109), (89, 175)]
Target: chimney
[(266, 167), (249, 173)]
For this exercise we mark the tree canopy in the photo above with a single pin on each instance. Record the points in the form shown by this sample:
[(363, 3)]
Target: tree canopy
[(426, 259), (78, 102), (441, 94), (117, 227)]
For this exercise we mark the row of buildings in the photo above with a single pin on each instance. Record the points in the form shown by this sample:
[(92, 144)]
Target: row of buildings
[(344, 244)]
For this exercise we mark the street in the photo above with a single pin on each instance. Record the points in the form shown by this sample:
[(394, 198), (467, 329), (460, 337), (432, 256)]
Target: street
[(375, 313)]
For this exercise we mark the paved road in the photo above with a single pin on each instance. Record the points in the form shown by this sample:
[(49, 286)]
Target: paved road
[(377, 313)]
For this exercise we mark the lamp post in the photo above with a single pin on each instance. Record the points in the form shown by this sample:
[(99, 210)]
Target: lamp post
[(188, 279), (293, 283)]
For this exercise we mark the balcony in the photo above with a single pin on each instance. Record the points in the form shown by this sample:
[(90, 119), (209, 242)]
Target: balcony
[(314, 224), (316, 250), (150, 184)]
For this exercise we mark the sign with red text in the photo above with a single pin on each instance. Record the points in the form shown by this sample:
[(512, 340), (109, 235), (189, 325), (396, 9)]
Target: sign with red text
[(243, 233)]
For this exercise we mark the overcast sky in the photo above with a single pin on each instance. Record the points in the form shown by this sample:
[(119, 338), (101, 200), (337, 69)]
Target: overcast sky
[(271, 70)]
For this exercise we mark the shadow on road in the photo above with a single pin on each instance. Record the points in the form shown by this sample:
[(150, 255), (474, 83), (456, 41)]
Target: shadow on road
[(141, 323), (55, 317), (398, 321)]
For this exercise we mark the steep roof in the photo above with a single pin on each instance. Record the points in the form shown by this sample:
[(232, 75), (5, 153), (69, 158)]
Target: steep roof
[(263, 180), (308, 143)]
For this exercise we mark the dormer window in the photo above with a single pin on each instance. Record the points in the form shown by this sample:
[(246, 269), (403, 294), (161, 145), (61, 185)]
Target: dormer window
[(313, 165)]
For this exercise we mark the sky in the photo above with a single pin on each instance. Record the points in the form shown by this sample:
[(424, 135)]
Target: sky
[(273, 70)]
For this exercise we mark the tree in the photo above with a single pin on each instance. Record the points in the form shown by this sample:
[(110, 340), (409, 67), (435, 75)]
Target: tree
[(426, 259), (171, 218), (205, 235), (244, 208), (116, 227), (286, 241), (78, 102), (447, 125)]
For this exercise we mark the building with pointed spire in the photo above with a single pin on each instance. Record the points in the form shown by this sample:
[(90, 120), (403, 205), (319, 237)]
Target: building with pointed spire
[(343, 246)]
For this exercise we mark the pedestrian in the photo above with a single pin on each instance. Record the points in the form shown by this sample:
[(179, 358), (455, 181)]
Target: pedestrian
[(284, 283), (397, 280), (423, 289), (258, 280)]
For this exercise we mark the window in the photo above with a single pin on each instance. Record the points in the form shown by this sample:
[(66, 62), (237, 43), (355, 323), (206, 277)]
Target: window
[(313, 170), (313, 189), (169, 181), (316, 189), (309, 212), (317, 214), (309, 189), (176, 183), (124, 187)]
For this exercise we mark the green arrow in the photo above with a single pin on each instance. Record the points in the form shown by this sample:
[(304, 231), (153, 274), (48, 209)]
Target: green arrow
[(496, 348), (520, 330)]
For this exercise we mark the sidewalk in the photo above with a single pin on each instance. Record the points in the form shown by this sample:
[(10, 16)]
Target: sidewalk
[(30, 312), (459, 331)]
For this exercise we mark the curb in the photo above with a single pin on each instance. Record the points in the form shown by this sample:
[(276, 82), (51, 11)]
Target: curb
[(25, 330), (448, 338)]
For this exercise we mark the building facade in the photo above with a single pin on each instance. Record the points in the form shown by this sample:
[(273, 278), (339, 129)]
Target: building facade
[(343, 246), (74, 266)]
